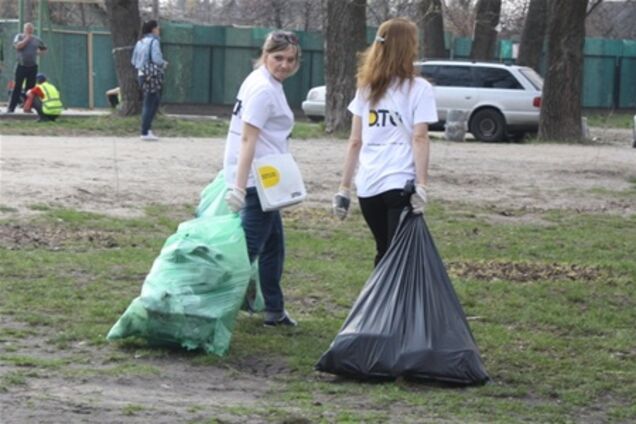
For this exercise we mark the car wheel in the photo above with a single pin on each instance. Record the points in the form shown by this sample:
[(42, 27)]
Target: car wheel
[(488, 125), (314, 118)]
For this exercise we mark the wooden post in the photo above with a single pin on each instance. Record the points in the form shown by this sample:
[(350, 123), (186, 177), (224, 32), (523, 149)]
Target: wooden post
[(20, 15), (91, 74), (40, 26)]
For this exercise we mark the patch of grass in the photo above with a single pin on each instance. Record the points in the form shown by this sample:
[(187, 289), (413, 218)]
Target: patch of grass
[(39, 207), (553, 308), (610, 120), (13, 378), (128, 369), (308, 130), (113, 125), (28, 361), (629, 193), (7, 209), (7, 333), (195, 408), (132, 409)]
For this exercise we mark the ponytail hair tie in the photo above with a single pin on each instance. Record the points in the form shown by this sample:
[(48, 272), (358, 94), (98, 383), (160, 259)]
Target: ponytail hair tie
[(379, 39)]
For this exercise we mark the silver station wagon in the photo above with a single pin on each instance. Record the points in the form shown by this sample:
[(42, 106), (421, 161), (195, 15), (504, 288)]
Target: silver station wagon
[(499, 101)]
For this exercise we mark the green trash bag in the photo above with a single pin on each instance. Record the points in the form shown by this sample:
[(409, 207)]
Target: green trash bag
[(212, 201), (194, 289), (212, 204)]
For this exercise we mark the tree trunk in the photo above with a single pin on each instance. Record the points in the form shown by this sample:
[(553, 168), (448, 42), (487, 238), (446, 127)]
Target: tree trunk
[(485, 34), (533, 35), (28, 12), (206, 11), (561, 106), (345, 36), (278, 8), (124, 20), (155, 9), (431, 23)]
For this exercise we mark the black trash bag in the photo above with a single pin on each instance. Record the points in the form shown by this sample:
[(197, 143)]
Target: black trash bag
[(407, 321)]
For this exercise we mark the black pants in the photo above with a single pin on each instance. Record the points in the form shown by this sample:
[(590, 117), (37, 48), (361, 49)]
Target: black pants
[(382, 214), (22, 73), (43, 117)]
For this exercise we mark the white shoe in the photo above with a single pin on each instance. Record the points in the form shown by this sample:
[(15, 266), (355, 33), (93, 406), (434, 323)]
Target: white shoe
[(149, 137)]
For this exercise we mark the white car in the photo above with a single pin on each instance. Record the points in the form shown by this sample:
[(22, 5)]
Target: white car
[(314, 105), (500, 101)]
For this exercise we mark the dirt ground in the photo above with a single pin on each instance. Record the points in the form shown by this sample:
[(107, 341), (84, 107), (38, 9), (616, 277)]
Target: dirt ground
[(119, 176)]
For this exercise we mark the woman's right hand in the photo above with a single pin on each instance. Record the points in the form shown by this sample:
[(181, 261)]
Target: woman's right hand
[(340, 203), (419, 199)]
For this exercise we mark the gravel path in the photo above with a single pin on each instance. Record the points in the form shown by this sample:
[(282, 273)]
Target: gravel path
[(120, 176)]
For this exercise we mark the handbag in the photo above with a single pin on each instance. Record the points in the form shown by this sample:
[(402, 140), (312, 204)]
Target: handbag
[(278, 181), (153, 74)]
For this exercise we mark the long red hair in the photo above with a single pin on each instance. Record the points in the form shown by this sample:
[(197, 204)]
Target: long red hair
[(390, 56)]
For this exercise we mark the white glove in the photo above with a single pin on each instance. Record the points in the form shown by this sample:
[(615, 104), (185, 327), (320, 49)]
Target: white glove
[(235, 198), (419, 199), (340, 203)]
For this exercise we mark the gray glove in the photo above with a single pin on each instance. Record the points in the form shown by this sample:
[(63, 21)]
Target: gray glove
[(341, 202), (419, 199), (235, 198)]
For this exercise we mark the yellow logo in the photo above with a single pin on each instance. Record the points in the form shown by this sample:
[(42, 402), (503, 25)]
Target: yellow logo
[(269, 176), (373, 118)]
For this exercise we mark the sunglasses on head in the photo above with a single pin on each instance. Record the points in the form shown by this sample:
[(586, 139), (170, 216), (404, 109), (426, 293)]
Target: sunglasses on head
[(285, 37)]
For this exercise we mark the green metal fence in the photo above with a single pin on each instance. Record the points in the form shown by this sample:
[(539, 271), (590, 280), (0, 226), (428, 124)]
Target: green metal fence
[(207, 64)]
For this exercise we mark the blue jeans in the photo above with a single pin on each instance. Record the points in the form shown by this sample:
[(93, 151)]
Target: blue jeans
[(150, 107), (265, 241)]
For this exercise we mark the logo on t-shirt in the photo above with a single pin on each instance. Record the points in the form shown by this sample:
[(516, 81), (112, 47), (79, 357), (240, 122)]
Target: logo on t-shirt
[(381, 118), (237, 107)]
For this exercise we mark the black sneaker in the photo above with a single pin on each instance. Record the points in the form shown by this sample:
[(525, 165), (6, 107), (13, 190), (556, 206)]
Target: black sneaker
[(285, 320)]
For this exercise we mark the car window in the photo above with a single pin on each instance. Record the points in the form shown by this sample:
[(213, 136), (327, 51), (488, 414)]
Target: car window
[(429, 72), (534, 78), (454, 76), (496, 78)]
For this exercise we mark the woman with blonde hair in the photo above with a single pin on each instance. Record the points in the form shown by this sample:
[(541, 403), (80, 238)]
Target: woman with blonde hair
[(389, 141), (261, 124)]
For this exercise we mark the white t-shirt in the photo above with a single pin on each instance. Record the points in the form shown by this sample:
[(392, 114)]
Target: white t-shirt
[(386, 157), (260, 102)]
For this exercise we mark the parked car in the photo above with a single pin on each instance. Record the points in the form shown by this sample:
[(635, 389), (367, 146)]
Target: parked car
[(501, 101), (314, 105)]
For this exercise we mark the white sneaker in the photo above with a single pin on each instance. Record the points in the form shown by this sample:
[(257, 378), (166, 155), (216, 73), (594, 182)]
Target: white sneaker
[(149, 137)]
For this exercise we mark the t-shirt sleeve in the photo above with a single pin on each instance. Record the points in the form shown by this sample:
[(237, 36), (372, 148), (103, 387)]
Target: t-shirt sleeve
[(425, 107), (357, 105), (257, 108), (41, 44)]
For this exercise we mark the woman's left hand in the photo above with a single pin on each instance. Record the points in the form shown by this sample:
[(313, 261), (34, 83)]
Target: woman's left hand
[(235, 198)]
